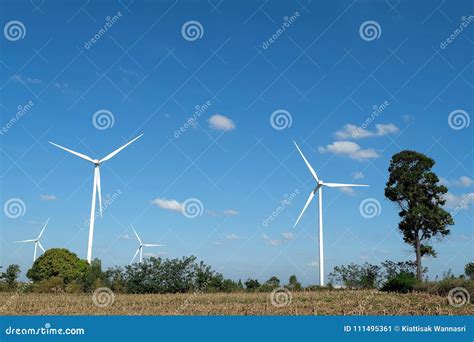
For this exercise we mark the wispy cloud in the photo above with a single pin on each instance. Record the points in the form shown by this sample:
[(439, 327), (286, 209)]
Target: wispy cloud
[(350, 149), (358, 175), (27, 80), (232, 236), (221, 123), (288, 236), (46, 197), (227, 212), (463, 181), (167, 204), (462, 201), (271, 242), (350, 131)]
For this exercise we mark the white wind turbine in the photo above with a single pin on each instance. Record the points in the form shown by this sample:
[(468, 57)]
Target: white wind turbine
[(319, 188), (140, 247), (36, 241), (96, 187)]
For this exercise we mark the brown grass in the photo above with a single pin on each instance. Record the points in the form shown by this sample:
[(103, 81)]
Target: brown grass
[(341, 302)]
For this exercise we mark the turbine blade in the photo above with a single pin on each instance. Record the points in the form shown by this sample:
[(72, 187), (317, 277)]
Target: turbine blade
[(307, 163), (32, 240), (83, 156), (341, 185), (310, 198), (152, 245), (135, 255), (42, 230), (99, 191), (107, 157), (136, 234), (41, 246)]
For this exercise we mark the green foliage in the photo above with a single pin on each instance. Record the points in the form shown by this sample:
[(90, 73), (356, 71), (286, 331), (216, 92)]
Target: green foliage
[(93, 277), (402, 282), (58, 262), (293, 284), (415, 189), (469, 270), (10, 276), (252, 285), (50, 285), (366, 276)]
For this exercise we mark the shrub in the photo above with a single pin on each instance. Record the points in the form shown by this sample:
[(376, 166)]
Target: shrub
[(403, 282), (50, 285)]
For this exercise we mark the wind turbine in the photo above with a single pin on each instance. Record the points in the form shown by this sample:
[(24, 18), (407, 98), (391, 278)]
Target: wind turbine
[(96, 187), (319, 188), (36, 241), (140, 247)]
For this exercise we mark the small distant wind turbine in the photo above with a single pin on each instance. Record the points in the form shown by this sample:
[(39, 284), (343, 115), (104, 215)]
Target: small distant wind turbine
[(319, 189), (140, 247), (96, 188), (36, 241)]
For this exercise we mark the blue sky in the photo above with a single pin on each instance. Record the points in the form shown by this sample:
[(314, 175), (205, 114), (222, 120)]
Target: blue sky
[(323, 72)]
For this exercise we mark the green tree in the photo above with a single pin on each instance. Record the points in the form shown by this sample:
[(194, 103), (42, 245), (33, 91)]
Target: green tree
[(294, 284), (252, 284), (11, 275), (469, 270), (58, 262), (415, 189)]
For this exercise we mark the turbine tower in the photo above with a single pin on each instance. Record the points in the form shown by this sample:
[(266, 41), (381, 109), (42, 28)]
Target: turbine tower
[(36, 241), (319, 188), (96, 190), (140, 247)]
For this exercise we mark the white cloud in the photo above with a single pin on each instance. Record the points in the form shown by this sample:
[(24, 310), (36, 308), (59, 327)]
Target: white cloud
[(221, 123), (358, 175), (288, 236), (232, 236), (463, 181), (313, 264), (347, 190), (462, 201), (28, 80), (350, 149), (168, 204), (127, 237), (231, 212), (46, 197), (355, 132), (271, 242)]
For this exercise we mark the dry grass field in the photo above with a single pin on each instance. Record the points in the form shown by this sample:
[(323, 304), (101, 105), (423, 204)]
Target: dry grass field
[(341, 302)]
